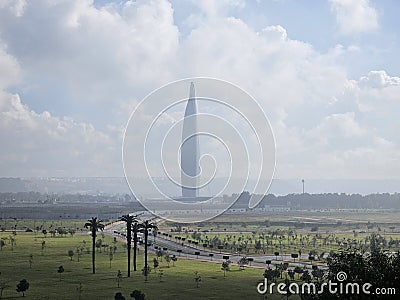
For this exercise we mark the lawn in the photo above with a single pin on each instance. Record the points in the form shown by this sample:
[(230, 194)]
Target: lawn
[(177, 282)]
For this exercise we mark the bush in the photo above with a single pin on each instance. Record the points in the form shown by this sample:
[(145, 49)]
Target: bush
[(138, 295)]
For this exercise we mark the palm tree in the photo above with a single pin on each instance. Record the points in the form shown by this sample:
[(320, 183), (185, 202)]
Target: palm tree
[(136, 228), (95, 225), (129, 220), (147, 225)]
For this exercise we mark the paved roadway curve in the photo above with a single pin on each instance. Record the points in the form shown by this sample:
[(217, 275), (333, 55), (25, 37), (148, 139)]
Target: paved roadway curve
[(188, 252)]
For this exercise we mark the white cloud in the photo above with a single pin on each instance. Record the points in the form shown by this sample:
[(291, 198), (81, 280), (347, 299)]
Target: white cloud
[(277, 32), (105, 55), (9, 69), (355, 16), (41, 144), (101, 61), (16, 7), (358, 139), (379, 79), (379, 159), (338, 125)]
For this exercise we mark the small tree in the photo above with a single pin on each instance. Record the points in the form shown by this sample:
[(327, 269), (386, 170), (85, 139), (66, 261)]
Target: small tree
[(160, 274), (3, 286), (119, 277), (225, 267), (30, 261), (79, 289), (2, 244), (272, 275), (60, 271), (71, 231), (174, 259), (78, 253), (197, 278), (110, 256), (160, 254), (13, 242), (167, 259), (114, 244), (318, 274), (306, 277), (119, 296), (276, 255), (43, 246), (146, 271), (298, 270), (291, 274), (138, 295), (155, 263), (243, 262), (22, 287), (99, 244), (71, 254)]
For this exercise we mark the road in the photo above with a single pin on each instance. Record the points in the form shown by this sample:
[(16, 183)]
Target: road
[(186, 251)]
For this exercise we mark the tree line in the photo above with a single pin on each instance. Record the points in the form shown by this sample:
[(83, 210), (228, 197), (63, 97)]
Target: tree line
[(322, 201)]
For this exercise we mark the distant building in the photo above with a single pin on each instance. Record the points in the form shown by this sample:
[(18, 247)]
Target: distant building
[(277, 208), (190, 148)]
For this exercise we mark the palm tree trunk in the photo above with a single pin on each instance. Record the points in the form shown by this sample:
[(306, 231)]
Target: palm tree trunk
[(129, 241), (93, 250), (145, 252), (134, 250)]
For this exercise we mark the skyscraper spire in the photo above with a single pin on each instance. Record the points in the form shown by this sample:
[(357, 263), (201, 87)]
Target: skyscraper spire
[(190, 148)]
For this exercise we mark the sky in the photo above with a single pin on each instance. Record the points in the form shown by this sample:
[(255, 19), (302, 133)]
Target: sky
[(326, 73)]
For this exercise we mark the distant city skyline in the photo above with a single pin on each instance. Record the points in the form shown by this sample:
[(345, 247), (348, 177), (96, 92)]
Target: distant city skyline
[(117, 185)]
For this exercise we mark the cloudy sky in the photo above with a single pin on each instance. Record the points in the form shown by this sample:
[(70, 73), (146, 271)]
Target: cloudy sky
[(327, 74)]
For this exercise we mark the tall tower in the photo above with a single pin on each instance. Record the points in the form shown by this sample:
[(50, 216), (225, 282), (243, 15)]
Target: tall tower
[(190, 148)]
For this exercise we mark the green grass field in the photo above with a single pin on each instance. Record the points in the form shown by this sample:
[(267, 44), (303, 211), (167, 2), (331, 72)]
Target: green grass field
[(177, 283)]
